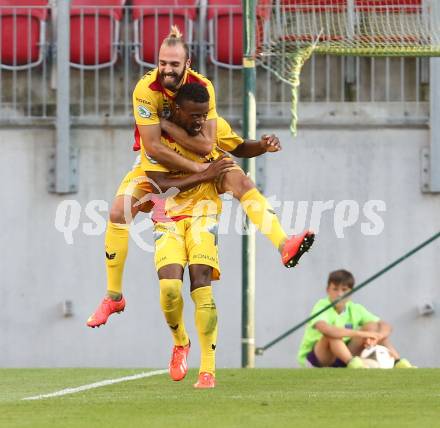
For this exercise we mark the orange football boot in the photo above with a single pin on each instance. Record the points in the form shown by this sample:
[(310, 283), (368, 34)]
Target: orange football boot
[(104, 310), (295, 247), (205, 381), (178, 367)]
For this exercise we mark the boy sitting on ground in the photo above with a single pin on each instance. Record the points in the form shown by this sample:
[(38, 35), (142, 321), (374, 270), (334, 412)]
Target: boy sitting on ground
[(337, 337)]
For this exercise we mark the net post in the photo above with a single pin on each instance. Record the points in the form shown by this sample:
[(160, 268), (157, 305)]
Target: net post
[(65, 170), (350, 18), (248, 240), (203, 8), (434, 96)]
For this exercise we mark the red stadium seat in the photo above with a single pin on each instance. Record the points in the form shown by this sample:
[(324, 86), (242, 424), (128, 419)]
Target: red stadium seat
[(226, 30), (94, 32), (152, 24), (22, 33)]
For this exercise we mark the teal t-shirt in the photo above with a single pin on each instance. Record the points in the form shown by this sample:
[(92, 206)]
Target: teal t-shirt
[(354, 316)]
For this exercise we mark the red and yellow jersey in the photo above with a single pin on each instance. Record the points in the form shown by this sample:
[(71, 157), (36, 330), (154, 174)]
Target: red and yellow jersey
[(227, 139), (202, 199), (151, 100)]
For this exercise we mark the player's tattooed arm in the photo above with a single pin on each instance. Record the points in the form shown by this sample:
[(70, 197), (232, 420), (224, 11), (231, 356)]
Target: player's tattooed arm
[(201, 144), (251, 148), (165, 180), (150, 135)]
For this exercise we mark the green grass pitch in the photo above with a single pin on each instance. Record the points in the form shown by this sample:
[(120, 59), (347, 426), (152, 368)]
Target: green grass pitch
[(243, 398)]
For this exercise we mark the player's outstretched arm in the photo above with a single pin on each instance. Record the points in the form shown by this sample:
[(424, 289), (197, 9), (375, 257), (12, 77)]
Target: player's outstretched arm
[(165, 181), (251, 148), (201, 144), (150, 135)]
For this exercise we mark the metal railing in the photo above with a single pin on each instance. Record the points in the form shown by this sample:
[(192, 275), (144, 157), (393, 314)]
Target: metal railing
[(260, 350), (101, 90)]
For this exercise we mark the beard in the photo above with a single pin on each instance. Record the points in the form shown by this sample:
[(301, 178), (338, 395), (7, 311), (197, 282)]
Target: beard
[(171, 80)]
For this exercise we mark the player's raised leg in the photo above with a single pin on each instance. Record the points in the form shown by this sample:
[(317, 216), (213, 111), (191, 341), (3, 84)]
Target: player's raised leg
[(259, 211), (124, 208), (116, 248)]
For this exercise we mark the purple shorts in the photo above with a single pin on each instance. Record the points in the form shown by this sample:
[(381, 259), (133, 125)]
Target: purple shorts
[(313, 360)]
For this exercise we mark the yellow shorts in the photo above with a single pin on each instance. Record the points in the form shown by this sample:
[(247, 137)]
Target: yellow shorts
[(192, 241), (135, 184)]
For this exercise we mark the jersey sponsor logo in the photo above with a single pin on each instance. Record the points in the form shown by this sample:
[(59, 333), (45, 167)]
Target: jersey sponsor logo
[(110, 256), (205, 257), (140, 100), (162, 259), (144, 112)]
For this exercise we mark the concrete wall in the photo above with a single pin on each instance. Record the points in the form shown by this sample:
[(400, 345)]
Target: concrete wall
[(40, 270)]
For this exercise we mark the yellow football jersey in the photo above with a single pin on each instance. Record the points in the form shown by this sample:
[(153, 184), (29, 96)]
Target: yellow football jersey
[(151, 99), (227, 139), (202, 199)]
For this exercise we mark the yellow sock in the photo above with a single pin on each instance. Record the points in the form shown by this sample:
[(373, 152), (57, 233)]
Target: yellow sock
[(116, 248), (206, 324), (259, 211), (171, 303)]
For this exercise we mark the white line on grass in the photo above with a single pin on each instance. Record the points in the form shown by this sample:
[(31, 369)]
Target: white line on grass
[(96, 385)]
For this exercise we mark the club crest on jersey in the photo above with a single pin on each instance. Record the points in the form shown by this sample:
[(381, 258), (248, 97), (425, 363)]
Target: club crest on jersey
[(144, 112)]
